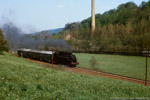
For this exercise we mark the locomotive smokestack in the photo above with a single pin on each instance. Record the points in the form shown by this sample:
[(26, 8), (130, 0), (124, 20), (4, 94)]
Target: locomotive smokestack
[(93, 17)]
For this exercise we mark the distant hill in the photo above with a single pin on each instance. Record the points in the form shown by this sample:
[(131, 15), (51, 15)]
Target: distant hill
[(48, 32)]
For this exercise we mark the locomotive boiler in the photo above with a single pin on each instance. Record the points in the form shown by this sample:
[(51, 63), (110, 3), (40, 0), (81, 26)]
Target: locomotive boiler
[(56, 57)]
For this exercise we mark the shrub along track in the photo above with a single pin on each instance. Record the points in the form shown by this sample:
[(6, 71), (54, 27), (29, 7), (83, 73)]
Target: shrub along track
[(91, 72)]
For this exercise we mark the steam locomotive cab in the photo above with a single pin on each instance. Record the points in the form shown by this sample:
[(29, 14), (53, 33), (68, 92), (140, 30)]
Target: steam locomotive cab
[(65, 59)]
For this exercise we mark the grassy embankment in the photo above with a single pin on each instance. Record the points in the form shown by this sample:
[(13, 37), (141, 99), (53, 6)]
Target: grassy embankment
[(131, 66), (24, 80)]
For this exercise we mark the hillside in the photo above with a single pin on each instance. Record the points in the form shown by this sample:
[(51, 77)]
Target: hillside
[(124, 29), (49, 32), (22, 79)]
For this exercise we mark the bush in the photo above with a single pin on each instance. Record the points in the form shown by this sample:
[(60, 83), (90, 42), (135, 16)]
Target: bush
[(93, 62)]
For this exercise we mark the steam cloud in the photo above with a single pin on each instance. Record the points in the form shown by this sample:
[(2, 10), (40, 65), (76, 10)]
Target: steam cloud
[(18, 39)]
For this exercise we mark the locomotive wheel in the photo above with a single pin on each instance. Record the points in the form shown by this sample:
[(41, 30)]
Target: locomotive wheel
[(73, 66)]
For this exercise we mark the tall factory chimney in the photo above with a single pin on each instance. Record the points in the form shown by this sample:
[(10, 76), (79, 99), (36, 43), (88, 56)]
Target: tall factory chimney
[(93, 17)]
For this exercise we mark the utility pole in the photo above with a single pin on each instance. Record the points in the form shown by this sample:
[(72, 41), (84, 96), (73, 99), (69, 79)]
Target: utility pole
[(93, 17), (52, 56), (147, 54)]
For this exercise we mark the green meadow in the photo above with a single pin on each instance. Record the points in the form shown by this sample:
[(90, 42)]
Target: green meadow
[(132, 66), (21, 79)]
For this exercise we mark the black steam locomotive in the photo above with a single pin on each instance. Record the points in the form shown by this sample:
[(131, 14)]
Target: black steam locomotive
[(63, 58)]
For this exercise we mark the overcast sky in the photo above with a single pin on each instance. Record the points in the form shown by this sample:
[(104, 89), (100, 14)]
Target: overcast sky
[(37, 15)]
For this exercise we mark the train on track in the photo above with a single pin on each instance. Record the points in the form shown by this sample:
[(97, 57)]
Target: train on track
[(55, 57)]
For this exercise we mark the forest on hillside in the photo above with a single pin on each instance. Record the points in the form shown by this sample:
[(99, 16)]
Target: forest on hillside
[(124, 29)]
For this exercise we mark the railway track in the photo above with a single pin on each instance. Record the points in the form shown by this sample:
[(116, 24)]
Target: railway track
[(109, 75)]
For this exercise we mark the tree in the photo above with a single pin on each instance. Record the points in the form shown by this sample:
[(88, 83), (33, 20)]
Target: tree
[(123, 29), (3, 43)]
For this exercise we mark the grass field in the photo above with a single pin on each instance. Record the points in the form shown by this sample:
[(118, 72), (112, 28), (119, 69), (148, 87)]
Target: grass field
[(131, 66), (24, 80)]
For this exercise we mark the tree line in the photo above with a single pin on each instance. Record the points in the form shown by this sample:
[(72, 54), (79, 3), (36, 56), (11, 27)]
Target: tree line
[(124, 29)]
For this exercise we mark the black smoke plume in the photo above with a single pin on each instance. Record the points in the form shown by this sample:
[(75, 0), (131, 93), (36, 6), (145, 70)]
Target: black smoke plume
[(18, 39)]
